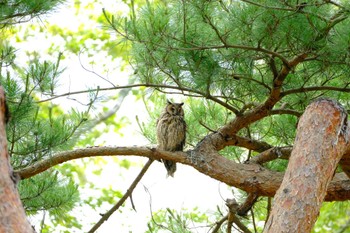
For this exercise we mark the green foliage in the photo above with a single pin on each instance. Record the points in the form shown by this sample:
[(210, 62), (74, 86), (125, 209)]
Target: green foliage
[(107, 195), (225, 52), (48, 191), (13, 12), (66, 221), (207, 24), (334, 217), (171, 221), (36, 130)]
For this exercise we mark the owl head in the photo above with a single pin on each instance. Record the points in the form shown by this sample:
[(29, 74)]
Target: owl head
[(174, 109)]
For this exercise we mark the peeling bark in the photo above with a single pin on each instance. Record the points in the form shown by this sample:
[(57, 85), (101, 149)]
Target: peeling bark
[(322, 139), (12, 216)]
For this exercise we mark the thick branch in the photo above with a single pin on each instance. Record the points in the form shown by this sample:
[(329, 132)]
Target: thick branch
[(261, 111), (251, 178), (248, 143)]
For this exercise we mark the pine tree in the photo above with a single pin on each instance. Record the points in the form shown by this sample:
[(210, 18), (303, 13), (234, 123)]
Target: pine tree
[(249, 68), (247, 71)]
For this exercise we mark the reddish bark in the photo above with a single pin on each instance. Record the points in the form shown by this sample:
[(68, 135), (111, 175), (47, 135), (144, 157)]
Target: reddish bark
[(12, 216), (319, 145), (345, 162)]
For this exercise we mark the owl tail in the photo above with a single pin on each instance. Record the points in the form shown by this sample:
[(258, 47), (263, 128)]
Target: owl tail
[(170, 167)]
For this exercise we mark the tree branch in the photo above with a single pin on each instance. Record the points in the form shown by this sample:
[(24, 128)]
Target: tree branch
[(218, 139), (123, 199), (319, 88), (116, 88), (182, 89), (251, 178), (219, 223), (243, 209), (285, 111), (232, 217), (272, 154), (248, 143)]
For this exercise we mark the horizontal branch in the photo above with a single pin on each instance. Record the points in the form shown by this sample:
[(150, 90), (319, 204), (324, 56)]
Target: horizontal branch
[(251, 178), (318, 88), (231, 46), (115, 88), (182, 89), (65, 156), (285, 111)]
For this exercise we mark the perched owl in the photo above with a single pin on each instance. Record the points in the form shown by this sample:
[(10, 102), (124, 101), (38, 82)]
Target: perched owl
[(171, 132)]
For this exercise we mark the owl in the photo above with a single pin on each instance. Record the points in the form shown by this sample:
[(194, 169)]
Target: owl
[(171, 132)]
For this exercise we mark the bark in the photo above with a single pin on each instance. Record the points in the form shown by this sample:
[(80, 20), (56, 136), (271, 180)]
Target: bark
[(251, 178), (12, 215), (321, 140), (345, 163)]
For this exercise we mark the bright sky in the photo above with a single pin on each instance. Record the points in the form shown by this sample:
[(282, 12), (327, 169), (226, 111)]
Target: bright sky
[(187, 190)]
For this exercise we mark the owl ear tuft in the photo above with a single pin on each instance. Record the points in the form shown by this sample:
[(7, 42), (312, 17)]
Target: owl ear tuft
[(169, 102), (181, 104)]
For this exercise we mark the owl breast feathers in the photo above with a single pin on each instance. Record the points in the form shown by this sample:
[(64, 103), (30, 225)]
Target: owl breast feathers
[(171, 132)]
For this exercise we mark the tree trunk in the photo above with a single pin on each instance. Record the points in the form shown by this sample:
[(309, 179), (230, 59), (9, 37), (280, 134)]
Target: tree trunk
[(12, 215), (319, 145)]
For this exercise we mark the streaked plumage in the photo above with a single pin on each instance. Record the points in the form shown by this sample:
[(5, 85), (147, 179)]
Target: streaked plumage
[(171, 132)]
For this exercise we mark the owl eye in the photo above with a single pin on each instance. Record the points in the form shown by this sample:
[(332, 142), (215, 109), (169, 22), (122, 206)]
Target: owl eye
[(172, 108)]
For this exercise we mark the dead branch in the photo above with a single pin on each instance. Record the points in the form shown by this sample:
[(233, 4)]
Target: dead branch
[(123, 199)]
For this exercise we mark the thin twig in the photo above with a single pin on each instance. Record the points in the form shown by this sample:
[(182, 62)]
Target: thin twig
[(182, 89), (314, 88), (253, 220), (123, 199), (151, 211), (120, 87), (92, 71)]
